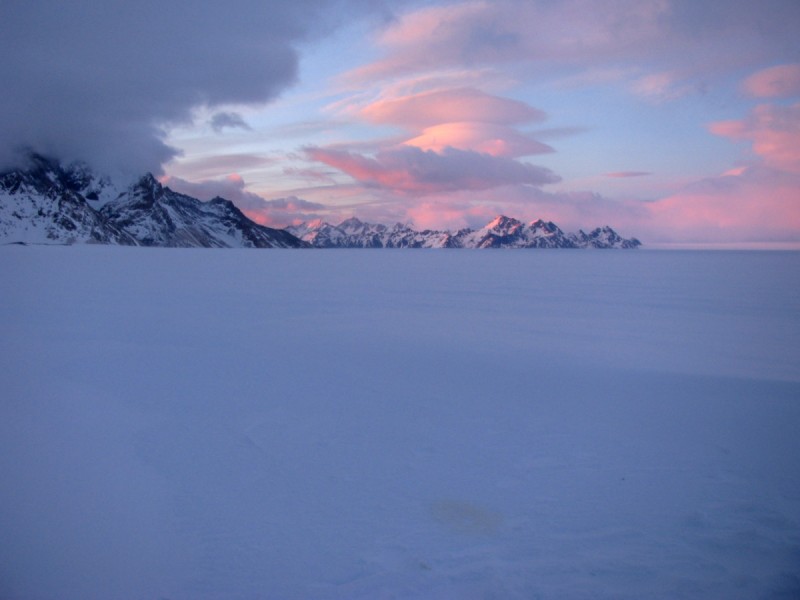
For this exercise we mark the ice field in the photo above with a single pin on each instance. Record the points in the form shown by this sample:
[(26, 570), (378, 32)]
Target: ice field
[(335, 424)]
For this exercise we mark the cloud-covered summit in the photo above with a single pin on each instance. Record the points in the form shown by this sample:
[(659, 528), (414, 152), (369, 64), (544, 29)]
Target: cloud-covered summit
[(100, 80)]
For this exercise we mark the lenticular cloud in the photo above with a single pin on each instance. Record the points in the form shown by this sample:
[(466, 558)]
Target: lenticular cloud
[(412, 170), (450, 105)]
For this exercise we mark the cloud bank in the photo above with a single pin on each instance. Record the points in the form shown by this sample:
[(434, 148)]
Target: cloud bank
[(419, 172), (774, 131), (617, 35), (781, 81), (100, 80)]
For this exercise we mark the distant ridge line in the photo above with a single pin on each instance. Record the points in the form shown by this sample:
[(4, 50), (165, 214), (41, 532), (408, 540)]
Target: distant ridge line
[(501, 232)]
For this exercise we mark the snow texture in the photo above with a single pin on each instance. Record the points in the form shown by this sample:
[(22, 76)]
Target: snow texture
[(194, 424)]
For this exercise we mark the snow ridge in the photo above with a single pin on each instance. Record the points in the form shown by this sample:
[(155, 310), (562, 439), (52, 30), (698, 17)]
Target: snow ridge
[(502, 232)]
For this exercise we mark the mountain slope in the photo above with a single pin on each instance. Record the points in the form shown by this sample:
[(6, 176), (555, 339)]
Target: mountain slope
[(47, 204), (51, 204), (157, 216)]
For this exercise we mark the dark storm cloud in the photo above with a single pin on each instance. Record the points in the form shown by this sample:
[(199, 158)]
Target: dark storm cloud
[(99, 80)]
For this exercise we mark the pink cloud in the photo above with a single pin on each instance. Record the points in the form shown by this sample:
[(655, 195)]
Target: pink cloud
[(448, 215), (487, 138), (649, 46), (463, 118), (282, 212), (755, 204), (662, 86), (774, 132), (450, 105), (479, 32), (415, 171), (759, 204), (470, 208), (781, 81)]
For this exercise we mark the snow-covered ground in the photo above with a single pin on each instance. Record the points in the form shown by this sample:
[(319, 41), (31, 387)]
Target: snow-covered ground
[(242, 424)]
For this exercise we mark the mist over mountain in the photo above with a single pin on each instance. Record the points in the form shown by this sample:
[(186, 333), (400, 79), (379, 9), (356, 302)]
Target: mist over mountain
[(103, 82)]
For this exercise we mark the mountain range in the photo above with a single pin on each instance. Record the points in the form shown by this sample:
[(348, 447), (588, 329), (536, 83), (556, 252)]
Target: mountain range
[(47, 203), (502, 232), (50, 204)]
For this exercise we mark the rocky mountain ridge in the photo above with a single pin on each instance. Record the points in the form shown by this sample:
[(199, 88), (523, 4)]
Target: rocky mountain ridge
[(502, 232), (50, 204)]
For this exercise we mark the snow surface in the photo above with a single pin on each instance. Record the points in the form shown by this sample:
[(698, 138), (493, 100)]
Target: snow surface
[(203, 424)]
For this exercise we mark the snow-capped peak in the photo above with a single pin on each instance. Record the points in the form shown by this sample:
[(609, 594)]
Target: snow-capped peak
[(50, 204), (503, 223)]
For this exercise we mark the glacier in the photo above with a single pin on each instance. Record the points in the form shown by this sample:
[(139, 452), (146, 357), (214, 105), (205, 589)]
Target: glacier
[(203, 424)]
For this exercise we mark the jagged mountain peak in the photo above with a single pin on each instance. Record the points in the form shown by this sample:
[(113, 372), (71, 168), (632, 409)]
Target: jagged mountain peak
[(150, 183), (351, 222), (51, 204), (502, 222), (541, 223)]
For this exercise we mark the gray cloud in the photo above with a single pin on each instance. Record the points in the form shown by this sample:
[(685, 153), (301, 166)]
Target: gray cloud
[(282, 212), (231, 188), (218, 165), (419, 172), (294, 203), (228, 120), (627, 174), (99, 80)]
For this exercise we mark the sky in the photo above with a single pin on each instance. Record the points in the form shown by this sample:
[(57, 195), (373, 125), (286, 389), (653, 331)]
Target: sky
[(672, 120)]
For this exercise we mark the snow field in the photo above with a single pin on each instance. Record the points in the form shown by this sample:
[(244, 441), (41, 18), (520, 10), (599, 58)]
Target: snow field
[(200, 424)]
